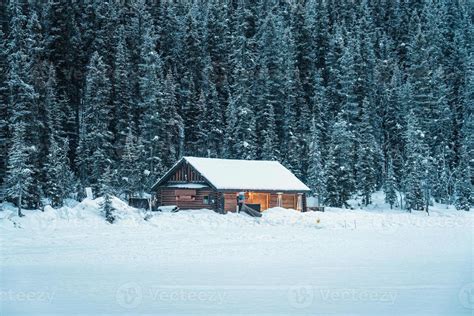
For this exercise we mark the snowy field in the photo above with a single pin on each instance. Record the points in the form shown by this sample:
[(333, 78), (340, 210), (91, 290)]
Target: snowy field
[(70, 261)]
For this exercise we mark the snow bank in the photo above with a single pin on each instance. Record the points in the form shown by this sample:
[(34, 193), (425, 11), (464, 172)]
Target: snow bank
[(88, 213), (85, 213)]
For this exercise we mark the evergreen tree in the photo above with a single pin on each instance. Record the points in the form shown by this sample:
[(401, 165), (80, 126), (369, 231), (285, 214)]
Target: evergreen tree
[(368, 157), (417, 167), (464, 199), (173, 133), (151, 119), (18, 180), (95, 142), (131, 173), (108, 209), (265, 116), (212, 124), (316, 176), (122, 93), (340, 180), (240, 132), (23, 102), (4, 113), (60, 182), (463, 186), (390, 186)]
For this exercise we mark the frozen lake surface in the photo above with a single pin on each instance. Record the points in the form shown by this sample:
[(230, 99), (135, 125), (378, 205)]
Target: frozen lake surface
[(70, 261)]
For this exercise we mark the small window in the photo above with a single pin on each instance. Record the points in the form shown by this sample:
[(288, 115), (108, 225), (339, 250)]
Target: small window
[(206, 199)]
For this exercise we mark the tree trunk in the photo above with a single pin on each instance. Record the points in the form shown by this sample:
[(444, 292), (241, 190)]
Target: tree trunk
[(20, 214)]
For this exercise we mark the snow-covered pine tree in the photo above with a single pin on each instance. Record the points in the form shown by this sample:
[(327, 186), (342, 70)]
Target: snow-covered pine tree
[(241, 128), (23, 103), (18, 179), (131, 173), (346, 80), (463, 196), (316, 177), (95, 138), (122, 93), (463, 192), (393, 120), (368, 156), (214, 122), (54, 105), (150, 92), (173, 132), (292, 149), (390, 185), (417, 167), (265, 116), (60, 182), (340, 182), (108, 209), (4, 113)]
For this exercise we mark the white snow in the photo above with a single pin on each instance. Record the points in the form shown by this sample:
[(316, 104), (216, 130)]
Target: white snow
[(374, 261), (187, 186), (230, 174)]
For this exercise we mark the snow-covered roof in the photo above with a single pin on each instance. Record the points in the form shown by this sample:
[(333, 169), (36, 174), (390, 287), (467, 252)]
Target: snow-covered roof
[(187, 186), (258, 175)]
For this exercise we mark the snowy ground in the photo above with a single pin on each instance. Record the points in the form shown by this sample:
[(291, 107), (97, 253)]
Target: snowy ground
[(70, 261)]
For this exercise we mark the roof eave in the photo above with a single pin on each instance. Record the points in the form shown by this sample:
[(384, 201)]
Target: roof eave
[(263, 190)]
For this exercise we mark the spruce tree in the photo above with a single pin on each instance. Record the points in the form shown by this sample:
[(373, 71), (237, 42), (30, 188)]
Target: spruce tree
[(417, 167), (108, 209), (60, 182), (340, 182), (19, 172), (131, 173), (95, 142), (390, 186), (23, 103), (316, 176), (368, 156), (173, 126), (265, 116), (122, 92), (150, 105)]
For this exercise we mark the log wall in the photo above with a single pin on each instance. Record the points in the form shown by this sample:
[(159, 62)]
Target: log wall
[(192, 199), (226, 201)]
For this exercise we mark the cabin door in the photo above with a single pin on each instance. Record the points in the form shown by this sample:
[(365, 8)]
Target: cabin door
[(259, 198)]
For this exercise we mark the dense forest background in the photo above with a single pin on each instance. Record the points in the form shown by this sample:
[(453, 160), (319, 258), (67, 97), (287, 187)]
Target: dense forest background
[(352, 96)]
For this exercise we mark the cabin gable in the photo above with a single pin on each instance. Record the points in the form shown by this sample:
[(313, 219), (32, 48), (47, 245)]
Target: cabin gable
[(180, 173)]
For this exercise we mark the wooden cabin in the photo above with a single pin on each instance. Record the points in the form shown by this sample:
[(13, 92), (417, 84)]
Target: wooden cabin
[(218, 184)]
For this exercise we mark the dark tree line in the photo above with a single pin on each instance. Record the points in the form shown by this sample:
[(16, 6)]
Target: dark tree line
[(352, 96)]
